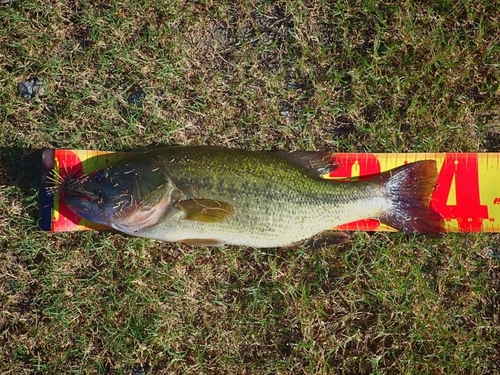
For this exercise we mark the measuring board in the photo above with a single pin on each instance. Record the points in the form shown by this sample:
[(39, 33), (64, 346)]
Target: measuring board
[(467, 192)]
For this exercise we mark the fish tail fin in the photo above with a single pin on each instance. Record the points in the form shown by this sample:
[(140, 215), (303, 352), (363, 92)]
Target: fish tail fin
[(410, 189)]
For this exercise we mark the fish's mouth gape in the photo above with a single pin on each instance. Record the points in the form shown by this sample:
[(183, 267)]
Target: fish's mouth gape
[(87, 198), (91, 196)]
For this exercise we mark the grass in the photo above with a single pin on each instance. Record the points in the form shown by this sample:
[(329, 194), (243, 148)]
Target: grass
[(345, 76)]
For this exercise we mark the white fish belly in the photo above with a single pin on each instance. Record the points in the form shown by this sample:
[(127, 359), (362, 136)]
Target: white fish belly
[(283, 228)]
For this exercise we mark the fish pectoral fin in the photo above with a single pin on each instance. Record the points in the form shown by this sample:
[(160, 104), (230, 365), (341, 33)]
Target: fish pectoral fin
[(204, 210), (317, 163), (203, 242), (327, 238)]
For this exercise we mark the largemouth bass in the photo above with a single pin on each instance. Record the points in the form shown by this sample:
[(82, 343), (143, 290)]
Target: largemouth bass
[(216, 196)]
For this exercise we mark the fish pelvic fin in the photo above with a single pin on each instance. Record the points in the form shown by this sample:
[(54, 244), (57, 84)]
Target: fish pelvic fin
[(410, 188), (327, 238)]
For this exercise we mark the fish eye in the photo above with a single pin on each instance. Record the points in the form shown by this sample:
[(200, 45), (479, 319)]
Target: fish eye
[(99, 176)]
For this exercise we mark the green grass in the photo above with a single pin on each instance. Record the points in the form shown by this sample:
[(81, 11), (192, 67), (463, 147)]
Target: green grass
[(344, 76)]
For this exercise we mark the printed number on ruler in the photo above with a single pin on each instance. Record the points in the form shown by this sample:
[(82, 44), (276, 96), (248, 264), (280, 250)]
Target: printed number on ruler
[(457, 194)]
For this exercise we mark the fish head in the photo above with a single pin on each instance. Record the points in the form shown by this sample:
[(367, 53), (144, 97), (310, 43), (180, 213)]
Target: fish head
[(100, 196), (120, 197)]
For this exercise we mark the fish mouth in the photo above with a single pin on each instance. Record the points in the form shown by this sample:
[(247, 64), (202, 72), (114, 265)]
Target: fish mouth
[(83, 194), (81, 199)]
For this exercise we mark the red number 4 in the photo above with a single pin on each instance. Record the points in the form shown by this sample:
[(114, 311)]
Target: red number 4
[(462, 169)]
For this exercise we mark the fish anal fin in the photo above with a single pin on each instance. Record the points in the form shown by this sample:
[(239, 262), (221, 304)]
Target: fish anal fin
[(327, 238), (318, 163), (204, 210), (202, 242)]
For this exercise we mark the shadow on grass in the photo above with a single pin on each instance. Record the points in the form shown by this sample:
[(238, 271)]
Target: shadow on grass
[(492, 142), (20, 167)]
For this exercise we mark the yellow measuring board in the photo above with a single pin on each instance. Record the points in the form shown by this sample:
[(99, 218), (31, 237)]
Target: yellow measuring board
[(467, 192)]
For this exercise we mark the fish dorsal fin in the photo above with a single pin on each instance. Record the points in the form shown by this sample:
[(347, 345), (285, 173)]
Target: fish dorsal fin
[(318, 163), (204, 210)]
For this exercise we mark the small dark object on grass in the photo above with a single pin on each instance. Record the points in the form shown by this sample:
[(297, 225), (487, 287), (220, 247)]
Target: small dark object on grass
[(135, 98), (492, 253), (138, 370), (31, 88)]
